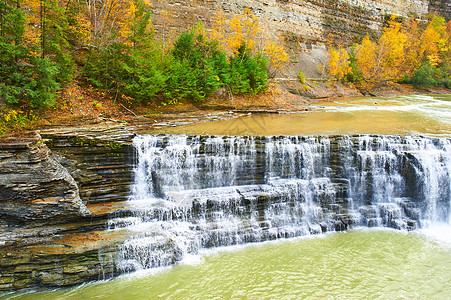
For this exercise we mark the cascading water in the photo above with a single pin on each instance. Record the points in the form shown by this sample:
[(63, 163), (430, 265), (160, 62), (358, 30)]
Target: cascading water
[(193, 192)]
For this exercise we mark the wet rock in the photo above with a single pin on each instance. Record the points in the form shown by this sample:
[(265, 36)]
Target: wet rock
[(391, 215), (75, 269), (340, 226), (412, 225), (153, 251)]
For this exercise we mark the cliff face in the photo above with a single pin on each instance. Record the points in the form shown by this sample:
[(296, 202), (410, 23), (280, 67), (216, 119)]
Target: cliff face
[(48, 237), (306, 25), (310, 20), (34, 186), (440, 7)]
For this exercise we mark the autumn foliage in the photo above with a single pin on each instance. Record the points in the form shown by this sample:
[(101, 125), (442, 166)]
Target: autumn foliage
[(245, 29), (412, 51), (112, 45)]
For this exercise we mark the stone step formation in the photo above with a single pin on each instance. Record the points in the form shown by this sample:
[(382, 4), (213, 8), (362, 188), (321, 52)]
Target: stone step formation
[(195, 192), (150, 200)]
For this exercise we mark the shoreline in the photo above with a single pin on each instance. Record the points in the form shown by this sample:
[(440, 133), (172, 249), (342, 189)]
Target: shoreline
[(279, 99)]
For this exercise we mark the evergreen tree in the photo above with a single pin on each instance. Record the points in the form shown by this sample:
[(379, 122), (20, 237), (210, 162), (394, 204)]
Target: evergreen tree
[(24, 79)]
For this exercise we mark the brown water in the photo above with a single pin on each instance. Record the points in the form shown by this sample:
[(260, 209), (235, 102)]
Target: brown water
[(406, 115)]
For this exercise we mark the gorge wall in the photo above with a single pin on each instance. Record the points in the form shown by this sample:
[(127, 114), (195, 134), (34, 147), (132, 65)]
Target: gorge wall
[(305, 25)]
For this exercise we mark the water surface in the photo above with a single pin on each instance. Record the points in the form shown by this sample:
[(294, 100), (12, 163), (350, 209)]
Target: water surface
[(405, 115), (355, 264)]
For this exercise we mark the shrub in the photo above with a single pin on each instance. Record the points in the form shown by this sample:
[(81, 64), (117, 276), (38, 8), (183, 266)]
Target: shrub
[(301, 77), (423, 76)]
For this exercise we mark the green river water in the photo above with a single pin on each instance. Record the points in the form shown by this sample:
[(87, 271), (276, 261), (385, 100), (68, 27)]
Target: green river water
[(384, 264), (369, 264)]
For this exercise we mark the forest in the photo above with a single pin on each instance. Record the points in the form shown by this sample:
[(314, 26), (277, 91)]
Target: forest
[(112, 46), (408, 51)]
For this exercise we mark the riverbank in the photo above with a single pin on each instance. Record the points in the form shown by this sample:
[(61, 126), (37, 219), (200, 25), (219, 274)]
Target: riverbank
[(79, 106)]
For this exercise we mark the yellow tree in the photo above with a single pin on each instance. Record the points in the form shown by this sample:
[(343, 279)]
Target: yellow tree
[(220, 29), (32, 34), (45, 16), (339, 64), (448, 35), (167, 35), (111, 21), (245, 30), (412, 53), (383, 60), (434, 41), (429, 45), (391, 54), (366, 57), (277, 57)]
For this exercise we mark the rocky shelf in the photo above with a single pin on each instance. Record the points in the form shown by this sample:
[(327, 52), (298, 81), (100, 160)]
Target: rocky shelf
[(58, 189)]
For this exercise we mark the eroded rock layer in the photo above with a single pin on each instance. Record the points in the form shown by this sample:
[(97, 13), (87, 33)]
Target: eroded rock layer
[(55, 205), (34, 186)]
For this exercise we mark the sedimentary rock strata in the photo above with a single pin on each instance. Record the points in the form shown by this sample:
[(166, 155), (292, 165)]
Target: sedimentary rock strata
[(34, 186)]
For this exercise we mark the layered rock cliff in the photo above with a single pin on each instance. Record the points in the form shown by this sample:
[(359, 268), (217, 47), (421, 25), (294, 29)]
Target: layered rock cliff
[(57, 194), (305, 25), (34, 186)]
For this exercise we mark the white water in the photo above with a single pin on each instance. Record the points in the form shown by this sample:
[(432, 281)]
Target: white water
[(196, 192), (432, 106)]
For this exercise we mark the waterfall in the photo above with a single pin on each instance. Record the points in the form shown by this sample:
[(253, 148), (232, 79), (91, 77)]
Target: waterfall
[(195, 192)]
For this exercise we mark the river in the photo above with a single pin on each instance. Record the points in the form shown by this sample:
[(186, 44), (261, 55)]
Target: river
[(252, 217), (406, 115), (359, 264)]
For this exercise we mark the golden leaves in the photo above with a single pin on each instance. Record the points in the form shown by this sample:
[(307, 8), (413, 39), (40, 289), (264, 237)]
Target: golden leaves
[(399, 50), (244, 29), (276, 55), (338, 64)]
